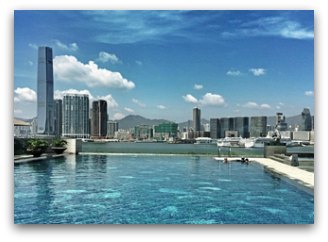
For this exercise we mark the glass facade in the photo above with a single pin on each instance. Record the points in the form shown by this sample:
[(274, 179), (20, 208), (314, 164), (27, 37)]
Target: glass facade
[(45, 92), (58, 120), (215, 128), (76, 116), (99, 119), (258, 126)]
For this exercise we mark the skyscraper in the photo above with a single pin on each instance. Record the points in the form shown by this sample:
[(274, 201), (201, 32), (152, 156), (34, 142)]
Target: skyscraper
[(196, 119), (215, 128), (306, 124), (99, 119), (45, 92), (241, 125), (58, 114), (76, 116), (112, 127), (258, 126)]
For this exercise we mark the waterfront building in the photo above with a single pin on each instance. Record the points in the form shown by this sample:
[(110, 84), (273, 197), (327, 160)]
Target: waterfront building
[(306, 123), (143, 132), (58, 117), (76, 116), (98, 121), (224, 126), (196, 115), (112, 127), (45, 92), (215, 128), (164, 131), (281, 122), (241, 125), (258, 126)]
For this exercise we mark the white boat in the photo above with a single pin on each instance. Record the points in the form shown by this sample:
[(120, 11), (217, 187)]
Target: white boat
[(257, 142), (231, 142), (205, 141)]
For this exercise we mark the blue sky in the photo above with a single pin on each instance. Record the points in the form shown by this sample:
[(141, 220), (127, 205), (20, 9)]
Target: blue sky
[(161, 64)]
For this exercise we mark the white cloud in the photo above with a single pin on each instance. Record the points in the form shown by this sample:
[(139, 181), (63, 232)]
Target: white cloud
[(212, 100), (105, 57), (130, 110), (265, 106), (254, 105), (233, 73), (68, 68), (59, 94), (198, 86), (118, 116), (139, 63), (111, 102), (69, 47), (30, 63), (190, 99), (136, 101), (308, 93), (161, 107), (33, 46), (25, 94), (258, 71)]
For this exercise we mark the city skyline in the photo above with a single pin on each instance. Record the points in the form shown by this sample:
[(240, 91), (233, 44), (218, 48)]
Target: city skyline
[(160, 64)]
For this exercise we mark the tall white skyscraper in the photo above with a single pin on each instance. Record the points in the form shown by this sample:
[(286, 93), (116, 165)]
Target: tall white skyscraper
[(45, 92)]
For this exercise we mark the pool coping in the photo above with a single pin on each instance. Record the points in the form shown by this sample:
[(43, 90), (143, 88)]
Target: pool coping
[(30, 158), (296, 176)]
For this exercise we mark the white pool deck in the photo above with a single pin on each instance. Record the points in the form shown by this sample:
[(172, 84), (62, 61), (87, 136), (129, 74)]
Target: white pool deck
[(296, 174)]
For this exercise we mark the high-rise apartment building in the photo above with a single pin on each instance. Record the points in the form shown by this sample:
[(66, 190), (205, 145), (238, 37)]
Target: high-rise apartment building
[(196, 121), (258, 126), (58, 117), (99, 119), (215, 128), (306, 124), (241, 125), (76, 115), (112, 127), (45, 92)]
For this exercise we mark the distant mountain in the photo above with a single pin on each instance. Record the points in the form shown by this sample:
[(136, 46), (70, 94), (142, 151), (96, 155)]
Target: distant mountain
[(293, 120), (131, 121), (189, 123)]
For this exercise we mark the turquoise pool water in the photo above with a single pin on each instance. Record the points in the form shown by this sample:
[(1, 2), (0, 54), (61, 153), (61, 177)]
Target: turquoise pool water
[(148, 189)]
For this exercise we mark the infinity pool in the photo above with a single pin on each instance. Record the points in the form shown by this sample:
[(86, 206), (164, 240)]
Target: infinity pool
[(149, 189)]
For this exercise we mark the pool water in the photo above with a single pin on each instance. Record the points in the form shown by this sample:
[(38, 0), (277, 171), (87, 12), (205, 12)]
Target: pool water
[(146, 189)]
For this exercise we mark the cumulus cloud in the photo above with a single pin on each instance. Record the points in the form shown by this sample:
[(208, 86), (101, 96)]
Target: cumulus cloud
[(308, 93), (210, 99), (190, 99), (161, 107), (24, 94), (108, 57), (60, 94), (139, 63), (233, 73), (33, 46), (136, 101), (111, 102), (254, 105), (130, 110), (118, 116), (257, 71), (198, 86), (67, 68), (69, 47)]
